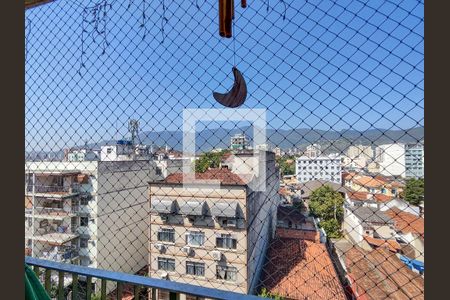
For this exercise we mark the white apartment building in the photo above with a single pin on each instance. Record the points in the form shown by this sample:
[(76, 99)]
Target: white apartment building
[(391, 159), (213, 235), (414, 161), (80, 212), (322, 167), (122, 150)]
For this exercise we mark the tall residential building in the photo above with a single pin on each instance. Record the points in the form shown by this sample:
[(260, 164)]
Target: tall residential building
[(213, 235), (80, 212), (356, 151), (239, 142), (357, 157), (321, 167), (414, 160), (391, 159)]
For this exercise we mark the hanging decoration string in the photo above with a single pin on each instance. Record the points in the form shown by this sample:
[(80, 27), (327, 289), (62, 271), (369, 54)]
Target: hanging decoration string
[(164, 21), (27, 36), (144, 19), (97, 17)]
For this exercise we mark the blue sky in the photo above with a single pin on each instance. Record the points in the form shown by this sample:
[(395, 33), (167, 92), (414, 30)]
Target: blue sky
[(329, 65)]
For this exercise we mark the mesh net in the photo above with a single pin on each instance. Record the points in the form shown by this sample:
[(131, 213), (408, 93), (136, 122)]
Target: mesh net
[(311, 189)]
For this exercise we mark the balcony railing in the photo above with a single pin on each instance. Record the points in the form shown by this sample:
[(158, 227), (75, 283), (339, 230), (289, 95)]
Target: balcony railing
[(139, 283), (73, 188), (53, 211), (61, 256)]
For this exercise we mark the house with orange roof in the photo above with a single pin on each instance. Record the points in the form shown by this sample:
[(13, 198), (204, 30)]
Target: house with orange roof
[(373, 184), (301, 269), (380, 274), (411, 229)]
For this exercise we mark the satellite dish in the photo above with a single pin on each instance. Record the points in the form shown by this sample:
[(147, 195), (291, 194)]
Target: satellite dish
[(238, 93)]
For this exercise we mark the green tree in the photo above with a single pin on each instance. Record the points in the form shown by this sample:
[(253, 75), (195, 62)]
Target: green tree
[(331, 227), (209, 160), (287, 165), (414, 191), (265, 294), (327, 204)]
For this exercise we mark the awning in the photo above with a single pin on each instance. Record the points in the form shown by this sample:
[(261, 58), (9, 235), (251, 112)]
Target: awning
[(193, 208), (224, 209), (162, 206)]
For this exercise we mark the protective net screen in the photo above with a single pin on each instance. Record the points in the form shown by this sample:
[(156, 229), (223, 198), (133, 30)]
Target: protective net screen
[(269, 147)]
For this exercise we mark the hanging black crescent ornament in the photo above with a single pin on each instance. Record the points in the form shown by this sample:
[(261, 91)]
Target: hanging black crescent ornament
[(237, 95)]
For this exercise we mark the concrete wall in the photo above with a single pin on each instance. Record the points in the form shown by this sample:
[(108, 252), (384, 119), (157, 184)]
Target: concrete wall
[(122, 214), (262, 211)]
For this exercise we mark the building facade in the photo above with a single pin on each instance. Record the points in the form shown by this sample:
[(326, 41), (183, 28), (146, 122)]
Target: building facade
[(391, 159), (414, 161), (209, 235), (239, 142), (322, 167), (79, 212)]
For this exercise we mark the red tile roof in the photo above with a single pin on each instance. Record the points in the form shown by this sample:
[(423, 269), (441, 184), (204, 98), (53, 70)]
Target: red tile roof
[(379, 274), (348, 175), (368, 181), (407, 222), (364, 196), (392, 245), (225, 176), (299, 269)]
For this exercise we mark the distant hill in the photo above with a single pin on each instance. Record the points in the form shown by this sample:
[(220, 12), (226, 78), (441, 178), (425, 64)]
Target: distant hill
[(299, 138), (331, 141)]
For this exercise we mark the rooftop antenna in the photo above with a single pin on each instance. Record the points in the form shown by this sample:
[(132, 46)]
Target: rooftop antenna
[(133, 128)]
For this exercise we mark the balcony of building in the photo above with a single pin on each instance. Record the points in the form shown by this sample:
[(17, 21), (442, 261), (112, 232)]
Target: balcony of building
[(78, 281), (52, 213), (53, 191), (52, 233), (63, 254)]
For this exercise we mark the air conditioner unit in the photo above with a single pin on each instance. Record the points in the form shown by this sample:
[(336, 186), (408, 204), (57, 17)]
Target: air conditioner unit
[(187, 250), (164, 275), (164, 218), (217, 255), (160, 247)]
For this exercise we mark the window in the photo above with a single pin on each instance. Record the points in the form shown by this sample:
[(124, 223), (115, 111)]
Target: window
[(84, 221), (158, 171), (166, 264), (226, 241), (195, 238), (83, 243), (195, 268), (166, 235), (30, 222), (85, 200), (109, 150), (226, 273)]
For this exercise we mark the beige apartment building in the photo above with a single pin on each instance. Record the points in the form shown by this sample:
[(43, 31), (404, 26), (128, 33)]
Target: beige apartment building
[(213, 235)]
